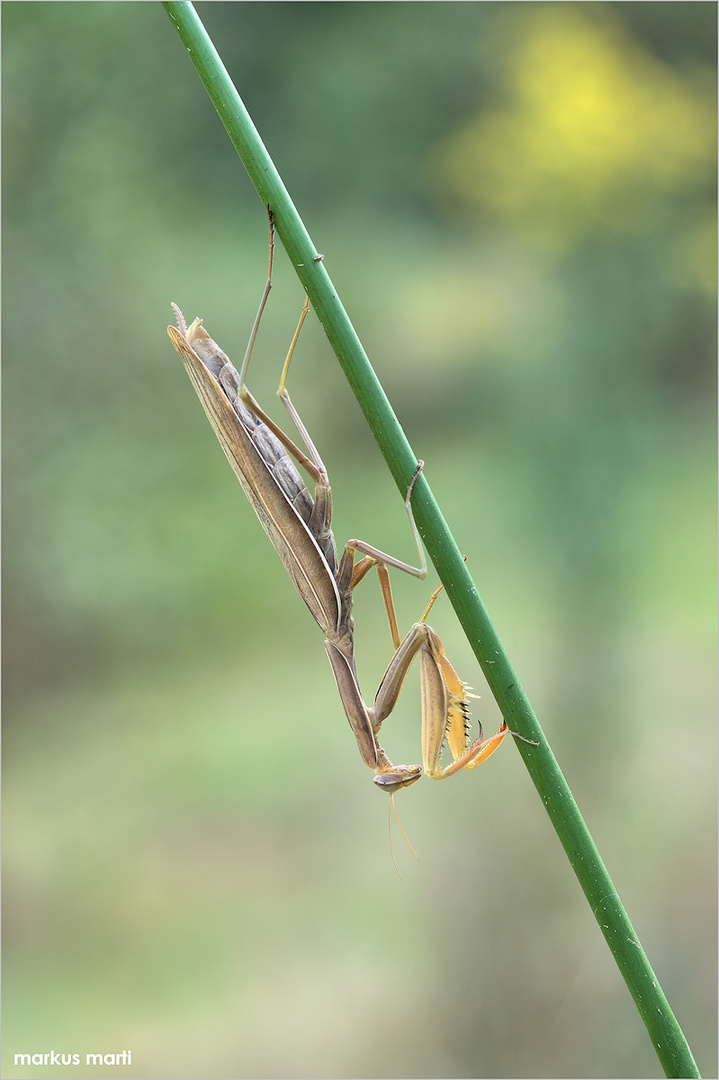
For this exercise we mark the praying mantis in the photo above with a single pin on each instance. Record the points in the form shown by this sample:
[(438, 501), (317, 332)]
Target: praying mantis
[(299, 526)]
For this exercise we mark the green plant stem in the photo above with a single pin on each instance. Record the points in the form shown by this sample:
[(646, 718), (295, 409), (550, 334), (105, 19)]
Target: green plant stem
[(666, 1035)]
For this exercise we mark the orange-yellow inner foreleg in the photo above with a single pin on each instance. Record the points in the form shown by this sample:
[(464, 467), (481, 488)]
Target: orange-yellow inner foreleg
[(445, 715)]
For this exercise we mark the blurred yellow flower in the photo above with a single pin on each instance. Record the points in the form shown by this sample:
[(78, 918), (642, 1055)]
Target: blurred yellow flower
[(593, 133)]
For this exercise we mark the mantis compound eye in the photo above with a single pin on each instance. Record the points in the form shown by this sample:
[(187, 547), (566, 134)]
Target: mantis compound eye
[(400, 777)]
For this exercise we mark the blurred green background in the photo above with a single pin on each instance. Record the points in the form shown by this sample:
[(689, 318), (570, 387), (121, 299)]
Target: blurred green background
[(516, 204)]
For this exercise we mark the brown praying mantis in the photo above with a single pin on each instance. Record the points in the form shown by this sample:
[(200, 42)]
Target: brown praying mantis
[(298, 525)]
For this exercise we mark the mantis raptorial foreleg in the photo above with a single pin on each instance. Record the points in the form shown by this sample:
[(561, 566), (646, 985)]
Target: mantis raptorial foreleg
[(445, 706), (299, 526)]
